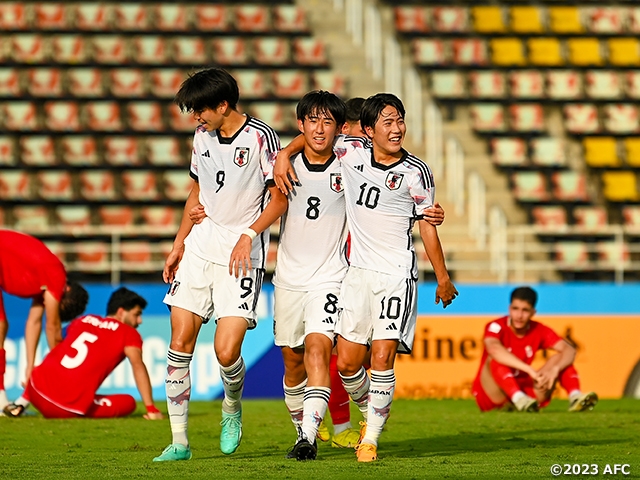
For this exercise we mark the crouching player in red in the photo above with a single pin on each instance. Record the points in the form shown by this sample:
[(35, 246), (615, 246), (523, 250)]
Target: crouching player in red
[(506, 378), (64, 385)]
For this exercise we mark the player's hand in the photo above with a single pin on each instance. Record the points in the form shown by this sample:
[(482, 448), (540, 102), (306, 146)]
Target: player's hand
[(197, 215), (283, 173), (434, 215), (153, 416), (547, 377), (446, 292), (171, 264), (241, 257)]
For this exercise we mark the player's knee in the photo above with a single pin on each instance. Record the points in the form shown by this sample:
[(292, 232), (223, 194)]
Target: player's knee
[(227, 356), (348, 367)]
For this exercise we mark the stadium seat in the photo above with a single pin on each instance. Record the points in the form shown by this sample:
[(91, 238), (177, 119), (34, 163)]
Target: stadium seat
[(584, 51), (37, 150), (230, 51), (633, 84), (620, 186), (139, 185), (145, 116), (15, 185), (85, 82), (411, 19), (631, 216), (62, 116), (450, 19), (252, 18), (605, 20), (163, 151), (121, 151), (569, 186), (309, 52), (55, 185), (271, 51), (633, 24), (131, 16), (488, 19), (632, 151), (211, 17), (254, 84), (44, 82), (177, 185), (92, 256), (69, 49), (601, 152), (623, 52), (429, 51), (448, 84), (272, 254), (181, 122), (136, 253), (330, 81), (572, 255), (8, 151), (12, 16), (581, 118), (51, 16), (291, 84), (621, 118), (116, 215), (545, 52), (290, 19), (526, 117), (20, 116), (165, 82), (602, 84), (171, 17), (274, 114), (548, 152), (506, 52), (590, 217), (564, 84), (487, 117), (98, 185), (564, 20), (613, 254), (509, 152), (189, 51), (28, 48), (110, 49), (529, 186), (73, 215), (526, 83), (469, 51), (79, 151), (149, 50), (549, 217), (525, 19), (127, 82), (93, 17), (103, 116), (10, 82), (33, 218), (157, 216)]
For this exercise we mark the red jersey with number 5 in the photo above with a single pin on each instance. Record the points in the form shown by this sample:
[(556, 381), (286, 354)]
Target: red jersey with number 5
[(72, 372)]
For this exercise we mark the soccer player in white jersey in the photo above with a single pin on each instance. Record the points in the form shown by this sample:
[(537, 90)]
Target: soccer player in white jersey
[(216, 267), (386, 190)]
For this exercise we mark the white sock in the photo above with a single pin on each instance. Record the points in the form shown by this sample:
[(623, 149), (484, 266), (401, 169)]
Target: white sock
[(233, 383), (4, 401), (517, 396), (178, 388), (294, 400), (316, 401), (383, 384), (341, 427), (22, 401), (574, 394), (357, 386)]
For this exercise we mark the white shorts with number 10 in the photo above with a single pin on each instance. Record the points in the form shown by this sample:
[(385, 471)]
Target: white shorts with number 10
[(377, 306)]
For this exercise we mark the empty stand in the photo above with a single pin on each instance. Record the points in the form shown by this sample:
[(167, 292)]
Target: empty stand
[(79, 150), (31, 218), (73, 215), (116, 215), (120, 150)]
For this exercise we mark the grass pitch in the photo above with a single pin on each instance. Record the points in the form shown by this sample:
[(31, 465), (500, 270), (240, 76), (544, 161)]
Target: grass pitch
[(423, 439)]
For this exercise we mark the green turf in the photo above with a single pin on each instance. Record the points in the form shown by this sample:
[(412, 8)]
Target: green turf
[(423, 439)]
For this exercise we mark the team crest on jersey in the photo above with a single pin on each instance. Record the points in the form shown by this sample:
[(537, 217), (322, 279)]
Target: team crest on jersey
[(394, 180), (174, 288), (336, 182), (241, 158), (528, 351)]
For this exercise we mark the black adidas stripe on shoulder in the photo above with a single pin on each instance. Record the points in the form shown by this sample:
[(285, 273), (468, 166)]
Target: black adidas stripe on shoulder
[(273, 141), (424, 169), (363, 140)]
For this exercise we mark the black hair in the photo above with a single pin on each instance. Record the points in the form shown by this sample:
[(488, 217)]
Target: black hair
[(207, 89), (126, 299), (527, 294), (373, 106), (73, 302), (354, 107), (321, 102)]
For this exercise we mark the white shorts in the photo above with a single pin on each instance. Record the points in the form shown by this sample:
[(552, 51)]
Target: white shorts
[(206, 289), (377, 306), (297, 314)]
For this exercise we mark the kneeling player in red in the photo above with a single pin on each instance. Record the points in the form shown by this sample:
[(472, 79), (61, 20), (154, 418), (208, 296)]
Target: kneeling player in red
[(506, 378), (64, 385)]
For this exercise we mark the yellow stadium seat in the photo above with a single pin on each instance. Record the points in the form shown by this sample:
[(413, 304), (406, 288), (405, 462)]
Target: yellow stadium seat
[(488, 19), (565, 20), (632, 151), (584, 51), (507, 51), (623, 51), (620, 186), (600, 152), (545, 51), (525, 20)]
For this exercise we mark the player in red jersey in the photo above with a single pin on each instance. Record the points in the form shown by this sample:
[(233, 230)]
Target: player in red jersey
[(28, 269), (507, 379), (64, 385)]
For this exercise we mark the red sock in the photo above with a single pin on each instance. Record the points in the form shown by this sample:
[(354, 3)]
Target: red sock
[(339, 399), (569, 379), (504, 378), (3, 366)]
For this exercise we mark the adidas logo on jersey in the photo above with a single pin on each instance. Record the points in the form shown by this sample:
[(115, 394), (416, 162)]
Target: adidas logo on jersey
[(392, 326), (206, 154), (360, 168), (328, 320), (244, 306)]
